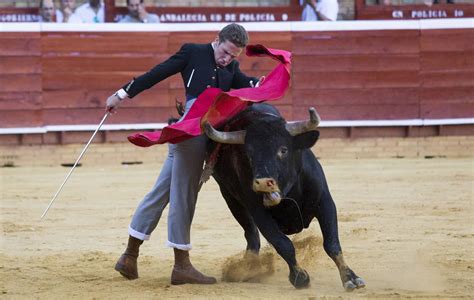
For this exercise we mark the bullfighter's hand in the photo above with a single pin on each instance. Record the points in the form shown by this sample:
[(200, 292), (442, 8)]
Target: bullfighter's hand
[(142, 13), (113, 103), (260, 81)]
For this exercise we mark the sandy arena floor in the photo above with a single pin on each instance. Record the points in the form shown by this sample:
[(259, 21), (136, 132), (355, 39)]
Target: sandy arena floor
[(406, 227)]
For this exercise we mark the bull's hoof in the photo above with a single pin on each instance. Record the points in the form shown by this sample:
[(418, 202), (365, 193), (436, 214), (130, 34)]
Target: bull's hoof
[(352, 282), (299, 278)]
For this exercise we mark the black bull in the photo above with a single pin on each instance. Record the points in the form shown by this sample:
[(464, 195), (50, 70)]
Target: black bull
[(274, 184)]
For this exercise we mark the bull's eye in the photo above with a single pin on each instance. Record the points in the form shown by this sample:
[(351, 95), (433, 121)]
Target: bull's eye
[(282, 152)]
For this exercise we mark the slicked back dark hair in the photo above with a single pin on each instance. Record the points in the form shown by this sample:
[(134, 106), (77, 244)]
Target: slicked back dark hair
[(234, 33)]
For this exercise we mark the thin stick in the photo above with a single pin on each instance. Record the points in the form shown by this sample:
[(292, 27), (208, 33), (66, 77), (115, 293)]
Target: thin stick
[(75, 164)]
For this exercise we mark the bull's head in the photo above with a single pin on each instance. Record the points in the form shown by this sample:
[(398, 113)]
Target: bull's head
[(273, 148)]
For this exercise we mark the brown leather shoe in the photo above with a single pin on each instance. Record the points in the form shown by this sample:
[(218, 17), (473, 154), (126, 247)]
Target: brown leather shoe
[(190, 275), (127, 266), (127, 263)]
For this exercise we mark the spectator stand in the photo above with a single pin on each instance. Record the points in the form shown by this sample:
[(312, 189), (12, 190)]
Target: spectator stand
[(364, 10), (413, 9), (176, 14), (187, 14), (19, 14)]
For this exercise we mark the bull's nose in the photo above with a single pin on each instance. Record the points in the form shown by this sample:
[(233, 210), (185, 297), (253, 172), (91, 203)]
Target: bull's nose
[(265, 185)]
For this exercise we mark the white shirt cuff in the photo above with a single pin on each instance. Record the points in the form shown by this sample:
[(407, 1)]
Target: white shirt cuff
[(122, 94)]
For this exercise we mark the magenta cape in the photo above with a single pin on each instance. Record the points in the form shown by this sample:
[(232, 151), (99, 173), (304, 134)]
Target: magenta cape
[(216, 106)]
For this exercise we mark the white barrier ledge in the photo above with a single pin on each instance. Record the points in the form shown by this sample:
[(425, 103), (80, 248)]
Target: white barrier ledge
[(111, 127), (158, 126), (391, 123), (250, 26)]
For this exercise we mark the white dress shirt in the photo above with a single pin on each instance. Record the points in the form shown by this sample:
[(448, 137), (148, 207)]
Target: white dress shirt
[(86, 14), (72, 18), (328, 8)]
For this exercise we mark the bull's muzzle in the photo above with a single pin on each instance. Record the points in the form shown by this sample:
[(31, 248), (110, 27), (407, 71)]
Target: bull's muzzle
[(265, 185), (270, 190)]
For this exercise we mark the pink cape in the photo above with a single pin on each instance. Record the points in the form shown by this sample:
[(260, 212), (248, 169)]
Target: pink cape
[(216, 106)]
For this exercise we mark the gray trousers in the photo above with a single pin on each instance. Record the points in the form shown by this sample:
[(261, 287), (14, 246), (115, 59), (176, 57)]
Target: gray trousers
[(178, 185)]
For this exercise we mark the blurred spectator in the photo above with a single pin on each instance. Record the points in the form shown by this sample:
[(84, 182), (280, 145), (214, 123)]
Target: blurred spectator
[(65, 13), (138, 14), (412, 2), (431, 2), (47, 11), (309, 10), (90, 12), (323, 10), (327, 10)]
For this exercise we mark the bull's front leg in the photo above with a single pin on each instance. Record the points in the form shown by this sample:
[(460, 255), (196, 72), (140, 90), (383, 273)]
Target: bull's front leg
[(298, 277), (327, 218), (242, 216)]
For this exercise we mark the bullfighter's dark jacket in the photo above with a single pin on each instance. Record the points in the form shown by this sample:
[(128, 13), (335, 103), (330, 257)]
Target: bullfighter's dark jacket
[(198, 69)]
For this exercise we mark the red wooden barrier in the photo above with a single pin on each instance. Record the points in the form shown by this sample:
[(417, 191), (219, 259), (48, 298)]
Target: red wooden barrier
[(53, 78)]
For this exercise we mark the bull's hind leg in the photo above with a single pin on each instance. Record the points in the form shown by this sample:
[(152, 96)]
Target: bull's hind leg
[(327, 217), (242, 216)]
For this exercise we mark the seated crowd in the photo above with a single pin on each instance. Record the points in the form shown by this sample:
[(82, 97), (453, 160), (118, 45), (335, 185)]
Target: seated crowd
[(92, 11)]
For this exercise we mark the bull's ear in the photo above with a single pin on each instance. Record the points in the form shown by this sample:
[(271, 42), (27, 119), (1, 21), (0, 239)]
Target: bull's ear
[(305, 140)]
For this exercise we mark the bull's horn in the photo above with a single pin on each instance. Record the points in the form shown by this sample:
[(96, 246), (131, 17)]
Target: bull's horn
[(298, 127), (233, 137)]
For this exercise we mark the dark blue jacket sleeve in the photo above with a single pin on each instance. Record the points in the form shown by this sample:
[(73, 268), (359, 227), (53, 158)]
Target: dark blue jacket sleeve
[(175, 64)]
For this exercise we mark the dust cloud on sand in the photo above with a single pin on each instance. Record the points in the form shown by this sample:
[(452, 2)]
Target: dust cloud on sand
[(406, 227), (249, 267)]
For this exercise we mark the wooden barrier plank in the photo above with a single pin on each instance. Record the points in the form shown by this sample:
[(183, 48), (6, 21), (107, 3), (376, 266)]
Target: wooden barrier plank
[(446, 78), (21, 118), (305, 80), (19, 46), (20, 100), (101, 63), (20, 82), (355, 96), (277, 40), (441, 110), (286, 110), (177, 39), (27, 35), (20, 65), (385, 42), (455, 94), (67, 99), (375, 33), (287, 99), (77, 116), (89, 80), (447, 61), (104, 42), (356, 62), (361, 112), (261, 65), (447, 40)]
